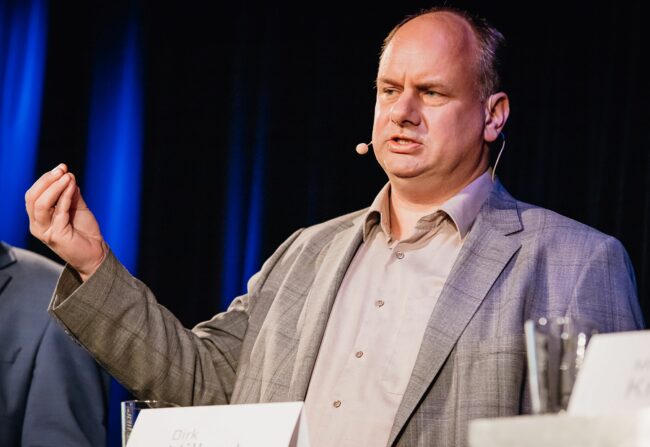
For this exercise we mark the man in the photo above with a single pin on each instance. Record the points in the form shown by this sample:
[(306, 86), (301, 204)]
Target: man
[(396, 324), (52, 393)]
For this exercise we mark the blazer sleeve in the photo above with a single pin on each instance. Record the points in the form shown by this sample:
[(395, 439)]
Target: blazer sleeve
[(605, 291), (68, 395), (117, 318)]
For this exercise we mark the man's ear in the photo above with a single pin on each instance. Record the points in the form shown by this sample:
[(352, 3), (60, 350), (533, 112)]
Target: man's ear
[(497, 109)]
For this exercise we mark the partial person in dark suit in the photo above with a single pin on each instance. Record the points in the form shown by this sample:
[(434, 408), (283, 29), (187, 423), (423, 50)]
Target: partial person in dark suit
[(52, 392), (396, 324)]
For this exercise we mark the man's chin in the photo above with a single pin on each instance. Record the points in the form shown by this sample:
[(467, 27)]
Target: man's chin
[(404, 174)]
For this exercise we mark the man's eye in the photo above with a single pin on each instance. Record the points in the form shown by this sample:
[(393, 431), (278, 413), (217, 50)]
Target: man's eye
[(388, 91), (431, 93)]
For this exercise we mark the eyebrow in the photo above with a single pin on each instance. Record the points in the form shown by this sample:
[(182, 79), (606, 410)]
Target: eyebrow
[(422, 86), (385, 81)]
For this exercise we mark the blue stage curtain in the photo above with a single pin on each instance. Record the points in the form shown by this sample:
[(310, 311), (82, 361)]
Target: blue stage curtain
[(244, 201), (114, 160), (23, 32)]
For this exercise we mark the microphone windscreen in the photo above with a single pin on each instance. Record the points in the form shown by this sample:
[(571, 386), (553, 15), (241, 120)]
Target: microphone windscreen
[(362, 148)]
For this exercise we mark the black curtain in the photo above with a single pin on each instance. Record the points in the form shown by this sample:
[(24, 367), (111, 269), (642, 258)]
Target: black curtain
[(577, 136)]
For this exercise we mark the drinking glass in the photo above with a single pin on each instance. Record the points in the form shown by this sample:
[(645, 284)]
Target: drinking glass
[(555, 348), (130, 411)]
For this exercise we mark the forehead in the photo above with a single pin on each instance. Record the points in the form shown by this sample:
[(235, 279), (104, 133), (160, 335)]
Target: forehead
[(429, 45)]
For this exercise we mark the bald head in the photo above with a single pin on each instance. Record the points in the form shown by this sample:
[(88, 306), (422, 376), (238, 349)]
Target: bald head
[(464, 33)]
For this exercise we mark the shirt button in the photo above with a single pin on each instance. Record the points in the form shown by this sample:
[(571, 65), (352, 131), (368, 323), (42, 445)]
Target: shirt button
[(379, 303), (359, 354), (337, 403), (399, 255)]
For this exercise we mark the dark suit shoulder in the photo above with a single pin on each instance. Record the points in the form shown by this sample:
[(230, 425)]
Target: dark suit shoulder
[(32, 277), (36, 271), (37, 263)]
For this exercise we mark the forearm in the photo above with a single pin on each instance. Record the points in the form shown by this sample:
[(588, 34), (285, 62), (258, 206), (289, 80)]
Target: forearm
[(141, 343)]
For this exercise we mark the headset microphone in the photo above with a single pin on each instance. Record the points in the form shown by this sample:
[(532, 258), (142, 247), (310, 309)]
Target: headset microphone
[(496, 163), (362, 148)]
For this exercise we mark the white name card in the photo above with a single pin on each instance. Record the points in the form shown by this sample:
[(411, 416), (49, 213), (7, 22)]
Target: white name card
[(615, 375), (276, 424)]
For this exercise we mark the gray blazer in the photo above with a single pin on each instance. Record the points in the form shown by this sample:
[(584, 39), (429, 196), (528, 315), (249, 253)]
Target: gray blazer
[(518, 262), (52, 393)]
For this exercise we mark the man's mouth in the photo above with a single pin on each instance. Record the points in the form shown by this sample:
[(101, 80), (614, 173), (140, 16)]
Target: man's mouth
[(400, 143)]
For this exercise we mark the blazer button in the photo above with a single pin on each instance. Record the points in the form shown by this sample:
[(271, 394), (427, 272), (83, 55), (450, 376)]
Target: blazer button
[(399, 255), (337, 403)]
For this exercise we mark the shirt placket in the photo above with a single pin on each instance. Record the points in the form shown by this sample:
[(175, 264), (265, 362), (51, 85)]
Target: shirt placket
[(361, 377)]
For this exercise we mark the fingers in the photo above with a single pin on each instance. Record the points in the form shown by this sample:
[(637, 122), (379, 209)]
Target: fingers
[(43, 206), (79, 202), (61, 216), (41, 185)]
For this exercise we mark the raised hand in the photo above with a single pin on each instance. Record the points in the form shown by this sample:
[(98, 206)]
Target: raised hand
[(59, 217)]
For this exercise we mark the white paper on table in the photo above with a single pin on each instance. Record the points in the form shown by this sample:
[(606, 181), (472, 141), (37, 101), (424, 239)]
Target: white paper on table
[(615, 375), (252, 425)]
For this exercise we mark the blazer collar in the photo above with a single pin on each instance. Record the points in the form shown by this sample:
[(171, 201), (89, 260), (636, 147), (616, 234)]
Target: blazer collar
[(481, 260)]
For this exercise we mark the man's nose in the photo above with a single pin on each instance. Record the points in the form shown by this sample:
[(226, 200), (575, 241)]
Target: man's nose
[(405, 111)]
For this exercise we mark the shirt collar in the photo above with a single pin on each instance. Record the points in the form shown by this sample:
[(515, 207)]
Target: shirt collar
[(462, 208), (378, 213)]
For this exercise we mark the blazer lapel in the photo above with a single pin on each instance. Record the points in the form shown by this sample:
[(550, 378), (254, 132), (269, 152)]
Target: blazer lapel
[(319, 304), (4, 279), (483, 257), (7, 257)]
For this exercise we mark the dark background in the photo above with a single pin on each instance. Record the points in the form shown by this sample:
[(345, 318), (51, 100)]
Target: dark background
[(214, 73)]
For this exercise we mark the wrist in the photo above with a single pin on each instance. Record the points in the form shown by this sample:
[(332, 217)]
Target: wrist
[(86, 273)]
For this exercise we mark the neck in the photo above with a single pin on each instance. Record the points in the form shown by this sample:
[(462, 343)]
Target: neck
[(410, 201)]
